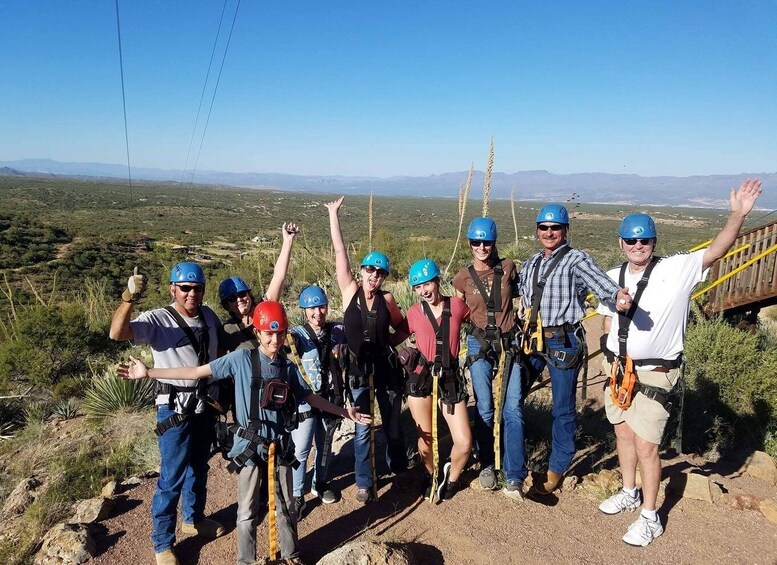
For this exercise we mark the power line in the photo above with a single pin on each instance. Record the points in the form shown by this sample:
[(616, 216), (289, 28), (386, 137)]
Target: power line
[(202, 95), (124, 99), (213, 98)]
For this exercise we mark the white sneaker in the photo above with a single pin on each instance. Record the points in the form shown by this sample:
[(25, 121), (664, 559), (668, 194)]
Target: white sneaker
[(643, 531), (619, 502)]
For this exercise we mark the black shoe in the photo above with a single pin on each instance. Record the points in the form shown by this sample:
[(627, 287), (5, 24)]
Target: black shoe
[(451, 488), (299, 507)]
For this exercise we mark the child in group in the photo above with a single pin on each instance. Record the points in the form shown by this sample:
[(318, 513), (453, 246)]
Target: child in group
[(321, 346), (436, 323), (267, 390)]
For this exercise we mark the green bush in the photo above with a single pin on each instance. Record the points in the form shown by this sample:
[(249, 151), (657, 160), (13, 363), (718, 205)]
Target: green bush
[(67, 409), (110, 394)]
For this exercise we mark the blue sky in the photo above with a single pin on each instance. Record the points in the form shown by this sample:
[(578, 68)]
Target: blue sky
[(397, 88)]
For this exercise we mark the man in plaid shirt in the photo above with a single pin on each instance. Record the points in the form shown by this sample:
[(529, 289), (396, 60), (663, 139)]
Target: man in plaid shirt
[(567, 274)]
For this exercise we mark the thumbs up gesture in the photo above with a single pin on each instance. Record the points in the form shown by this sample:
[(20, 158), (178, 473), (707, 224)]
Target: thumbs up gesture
[(136, 286)]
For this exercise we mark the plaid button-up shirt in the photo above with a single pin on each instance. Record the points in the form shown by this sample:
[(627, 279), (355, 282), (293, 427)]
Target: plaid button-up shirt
[(563, 300)]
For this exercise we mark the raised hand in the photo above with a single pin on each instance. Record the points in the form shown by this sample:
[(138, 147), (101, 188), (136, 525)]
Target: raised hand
[(289, 231), (133, 370), (743, 200), (334, 206), (136, 286)]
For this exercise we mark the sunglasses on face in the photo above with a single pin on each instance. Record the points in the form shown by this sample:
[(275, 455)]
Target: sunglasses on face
[(473, 243), (634, 240), (554, 227), (234, 297), (185, 288), (372, 269)]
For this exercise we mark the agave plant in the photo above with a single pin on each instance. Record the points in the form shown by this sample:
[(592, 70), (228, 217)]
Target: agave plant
[(110, 393), (67, 409)]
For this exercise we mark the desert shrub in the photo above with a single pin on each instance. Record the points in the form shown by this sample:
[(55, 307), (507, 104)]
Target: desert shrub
[(47, 344), (74, 386), (109, 394), (732, 386)]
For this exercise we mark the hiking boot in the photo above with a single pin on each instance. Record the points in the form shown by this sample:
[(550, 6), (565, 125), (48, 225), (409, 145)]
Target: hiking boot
[(487, 479), (166, 557), (206, 528), (299, 507), (619, 502), (643, 531), (514, 490), (451, 488), (363, 495), (551, 482), (323, 492), (446, 474)]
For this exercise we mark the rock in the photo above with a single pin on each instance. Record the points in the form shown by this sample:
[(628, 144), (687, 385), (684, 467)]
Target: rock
[(762, 466), (694, 486), (131, 482), (368, 553), (741, 501), (150, 474), (569, 484), (716, 490), (769, 509), (69, 544), (110, 489), (92, 510), (21, 497), (602, 485)]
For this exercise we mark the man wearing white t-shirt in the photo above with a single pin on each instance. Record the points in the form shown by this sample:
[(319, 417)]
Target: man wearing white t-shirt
[(654, 341)]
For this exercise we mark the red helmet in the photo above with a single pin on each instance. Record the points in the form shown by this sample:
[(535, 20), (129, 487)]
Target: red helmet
[(270, 317)]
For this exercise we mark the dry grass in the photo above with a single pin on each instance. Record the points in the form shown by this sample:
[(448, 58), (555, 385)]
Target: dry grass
[(463, 197), (487, 179)]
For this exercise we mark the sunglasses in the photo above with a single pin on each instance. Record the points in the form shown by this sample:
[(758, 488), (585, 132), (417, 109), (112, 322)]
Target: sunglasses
[(372, 269), (185, 288), (473, 243), (234, 297), (634, 240), (554, 227)]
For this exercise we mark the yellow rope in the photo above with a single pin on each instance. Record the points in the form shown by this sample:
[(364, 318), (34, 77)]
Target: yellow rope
[(435, 453), (271, 502), (372, 439), (497, 386), (734, 272)]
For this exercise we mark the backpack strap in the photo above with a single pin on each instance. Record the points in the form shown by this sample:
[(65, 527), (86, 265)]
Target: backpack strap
[(624, 320), (538, 283), (200, 346), (442, 355)]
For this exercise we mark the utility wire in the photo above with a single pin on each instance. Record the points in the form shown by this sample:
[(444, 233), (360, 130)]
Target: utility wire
[(124, 99), (215, 89), (202, 95)]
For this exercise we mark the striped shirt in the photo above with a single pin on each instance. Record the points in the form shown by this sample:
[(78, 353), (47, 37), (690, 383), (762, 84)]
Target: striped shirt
[(563, 300)]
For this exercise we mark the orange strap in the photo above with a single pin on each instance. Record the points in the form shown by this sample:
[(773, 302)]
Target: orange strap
[(273, 530), (622, 383)]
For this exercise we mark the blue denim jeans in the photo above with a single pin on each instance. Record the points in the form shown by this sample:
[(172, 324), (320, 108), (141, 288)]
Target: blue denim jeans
[(481, 373), (563, 383), (390, 406), (314, 427), (184, 451)]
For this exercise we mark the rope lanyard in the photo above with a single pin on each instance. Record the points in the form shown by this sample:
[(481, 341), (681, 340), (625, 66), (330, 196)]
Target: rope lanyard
[(435, 452), (498, 412), (293, 356), (273, 526), (372, 439)]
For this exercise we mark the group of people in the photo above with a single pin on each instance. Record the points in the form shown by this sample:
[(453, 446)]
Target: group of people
[(292, 385)]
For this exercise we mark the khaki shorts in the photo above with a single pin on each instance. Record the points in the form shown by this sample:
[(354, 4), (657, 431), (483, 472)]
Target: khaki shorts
[(646, 417)]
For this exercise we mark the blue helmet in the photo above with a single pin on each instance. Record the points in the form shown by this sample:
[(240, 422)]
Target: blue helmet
[(423, 271), (638, 225), (555, 213), (231, 286), (482, 229), (187, 273), (312, 296), (376, 259)]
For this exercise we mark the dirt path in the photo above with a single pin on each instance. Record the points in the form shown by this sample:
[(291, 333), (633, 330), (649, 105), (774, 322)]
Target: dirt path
[(477, 526)]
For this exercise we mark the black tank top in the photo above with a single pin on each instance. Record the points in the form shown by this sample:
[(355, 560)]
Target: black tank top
[(355, 324)]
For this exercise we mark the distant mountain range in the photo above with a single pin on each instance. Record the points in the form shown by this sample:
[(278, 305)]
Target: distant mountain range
[(698, 191)]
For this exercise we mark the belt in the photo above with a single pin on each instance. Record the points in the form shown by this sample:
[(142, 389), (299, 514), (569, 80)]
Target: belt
[(305, 415)]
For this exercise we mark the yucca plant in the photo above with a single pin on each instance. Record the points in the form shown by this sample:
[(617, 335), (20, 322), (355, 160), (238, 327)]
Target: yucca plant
[(110, 393), (67, 409)]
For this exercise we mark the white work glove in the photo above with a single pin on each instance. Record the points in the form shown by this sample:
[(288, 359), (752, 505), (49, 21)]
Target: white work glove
[(136, 286)]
